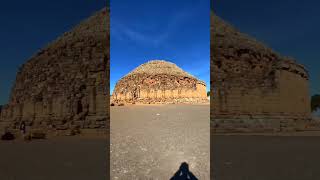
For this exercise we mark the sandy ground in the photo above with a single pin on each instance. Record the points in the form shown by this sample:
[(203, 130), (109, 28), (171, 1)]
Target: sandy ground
[(249, 157), (55, 159), (150, 142)]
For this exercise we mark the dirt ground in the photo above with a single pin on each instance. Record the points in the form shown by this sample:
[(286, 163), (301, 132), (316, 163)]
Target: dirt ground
[(252, 157), (151, 142), (54, 159)]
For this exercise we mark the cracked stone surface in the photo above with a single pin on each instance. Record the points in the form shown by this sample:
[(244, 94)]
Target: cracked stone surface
[(254, 87), (64, 86)]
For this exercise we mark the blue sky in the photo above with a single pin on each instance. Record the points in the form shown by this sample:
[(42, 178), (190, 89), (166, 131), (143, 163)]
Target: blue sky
[(290, 27), (27, 26), (177, 31)]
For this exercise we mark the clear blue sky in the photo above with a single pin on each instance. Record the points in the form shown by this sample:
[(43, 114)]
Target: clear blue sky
[(174, 30), (27, 26), (290, 27)]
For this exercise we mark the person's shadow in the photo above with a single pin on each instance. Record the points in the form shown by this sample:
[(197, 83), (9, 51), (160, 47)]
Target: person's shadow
[(183, 173)]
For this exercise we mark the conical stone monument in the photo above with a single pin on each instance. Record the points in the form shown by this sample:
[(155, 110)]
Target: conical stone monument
[(160, 82), (65, 85), (254, 88)]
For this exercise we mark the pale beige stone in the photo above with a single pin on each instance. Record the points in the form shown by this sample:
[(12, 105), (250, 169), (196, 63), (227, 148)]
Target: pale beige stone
[(65, 83), (251, 82), (159, 81)]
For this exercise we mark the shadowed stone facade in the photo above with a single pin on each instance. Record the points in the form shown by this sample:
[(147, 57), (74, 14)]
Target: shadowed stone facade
[(253, 88), (65, 85), (160, 82)]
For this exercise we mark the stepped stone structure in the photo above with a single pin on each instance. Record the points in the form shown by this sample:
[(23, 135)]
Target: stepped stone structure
[(160, 82), (254, 88), (65, 85)]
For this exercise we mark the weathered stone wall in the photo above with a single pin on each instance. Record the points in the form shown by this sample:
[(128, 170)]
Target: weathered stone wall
[(159, 88), (65, 85), (253, 87), (294, 89)]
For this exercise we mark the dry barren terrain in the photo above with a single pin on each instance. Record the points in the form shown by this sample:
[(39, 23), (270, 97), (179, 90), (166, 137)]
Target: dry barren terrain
[(252, 157), (151, 141), (62, 158)]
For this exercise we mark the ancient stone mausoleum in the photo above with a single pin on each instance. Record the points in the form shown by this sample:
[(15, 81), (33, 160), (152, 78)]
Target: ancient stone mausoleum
[(65, 85), (254, 88), (161, 82)]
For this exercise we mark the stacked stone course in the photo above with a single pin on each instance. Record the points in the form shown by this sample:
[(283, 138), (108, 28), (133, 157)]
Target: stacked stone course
[(254, 88), (159, 82), (65, 85)]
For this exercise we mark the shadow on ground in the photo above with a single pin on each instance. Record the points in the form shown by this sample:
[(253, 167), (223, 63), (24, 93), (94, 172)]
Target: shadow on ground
[(183, 173)]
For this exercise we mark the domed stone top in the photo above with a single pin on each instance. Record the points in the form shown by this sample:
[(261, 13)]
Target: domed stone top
[(237, 58), (157, 67), (64, 65), (228, 40), (226, 36), (95, 27)]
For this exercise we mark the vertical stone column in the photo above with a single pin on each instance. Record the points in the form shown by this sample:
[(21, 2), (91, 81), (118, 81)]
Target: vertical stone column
[(101, 103), (92, 100)]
